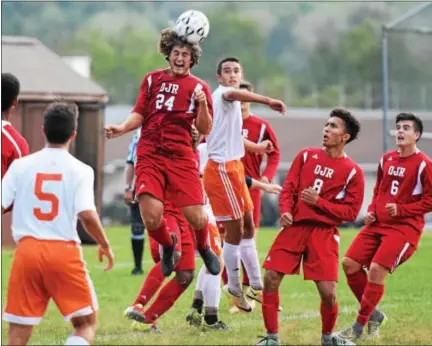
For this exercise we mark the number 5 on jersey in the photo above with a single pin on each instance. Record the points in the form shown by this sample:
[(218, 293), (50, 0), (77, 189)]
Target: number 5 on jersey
[(160, 102), (41, 178)]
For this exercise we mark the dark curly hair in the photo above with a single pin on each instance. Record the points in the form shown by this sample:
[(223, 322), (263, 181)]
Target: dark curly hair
[(352, 125), (169, 39)]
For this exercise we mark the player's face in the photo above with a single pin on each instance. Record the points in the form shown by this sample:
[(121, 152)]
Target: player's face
[(180, 60), (231, 74), (406, 134), (334, 133)]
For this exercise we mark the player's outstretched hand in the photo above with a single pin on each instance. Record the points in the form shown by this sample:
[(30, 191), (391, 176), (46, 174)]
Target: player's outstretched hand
[(266, 147), (286, 220), (272, 188), (369, 219), (310, 196), (200, 97), (113, 131), (392, 209), (108, 253), (278, 106)]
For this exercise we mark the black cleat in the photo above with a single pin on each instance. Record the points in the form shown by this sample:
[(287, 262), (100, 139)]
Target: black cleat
[(137, 271), (167, 260), (211, 261)]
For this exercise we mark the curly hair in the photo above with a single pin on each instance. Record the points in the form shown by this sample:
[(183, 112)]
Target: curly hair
[(352, 125), (169, 39)]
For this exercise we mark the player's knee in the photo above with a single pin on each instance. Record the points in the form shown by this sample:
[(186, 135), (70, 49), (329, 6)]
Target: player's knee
[(248, 226), (272, 280), (184, 277), (197, 219), (377, 273), (350, 266), (137, 231), (85, 326), (328, 297)]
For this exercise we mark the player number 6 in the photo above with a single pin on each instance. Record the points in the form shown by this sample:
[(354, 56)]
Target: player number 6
[(394, 187)]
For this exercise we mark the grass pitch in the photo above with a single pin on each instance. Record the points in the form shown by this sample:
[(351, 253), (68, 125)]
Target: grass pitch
[(407, 302)]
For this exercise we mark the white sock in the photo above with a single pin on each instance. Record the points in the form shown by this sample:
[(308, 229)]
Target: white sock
[(76, 340), (231, 257), (211, 290), (249, 257), (200, 279)]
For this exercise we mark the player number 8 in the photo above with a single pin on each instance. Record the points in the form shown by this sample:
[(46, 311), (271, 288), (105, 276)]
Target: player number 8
[(394, 187), (317, 185)]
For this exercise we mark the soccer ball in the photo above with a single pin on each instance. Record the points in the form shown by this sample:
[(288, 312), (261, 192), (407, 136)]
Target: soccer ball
[(192, 26)]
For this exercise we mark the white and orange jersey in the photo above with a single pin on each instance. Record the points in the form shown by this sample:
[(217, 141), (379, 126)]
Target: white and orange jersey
[(48, 189), (203, 154), (225, 141)]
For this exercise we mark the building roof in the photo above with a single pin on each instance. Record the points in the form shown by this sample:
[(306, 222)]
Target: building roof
[(44, 75)]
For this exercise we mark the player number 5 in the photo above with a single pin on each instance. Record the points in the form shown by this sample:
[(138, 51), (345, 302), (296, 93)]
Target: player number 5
[(160, 101), (41, 178), (394, 187)]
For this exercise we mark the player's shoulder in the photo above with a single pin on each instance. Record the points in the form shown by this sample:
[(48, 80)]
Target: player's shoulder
[(198, 80), (255, 119), (12, 131), (424, 157), (308, 153)]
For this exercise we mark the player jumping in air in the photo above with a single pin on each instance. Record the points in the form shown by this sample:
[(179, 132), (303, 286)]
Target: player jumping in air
[(394, 223), (323, 188), (224, 180), (50, 190), (169, 101)]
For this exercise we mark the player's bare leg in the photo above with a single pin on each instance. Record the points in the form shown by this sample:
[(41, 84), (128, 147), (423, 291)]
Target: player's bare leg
[(373, 293), (231, 257), (19, 334), (85, 330), (270, 307), (152, 214), (198, 219), (357, 281), (249, 257)]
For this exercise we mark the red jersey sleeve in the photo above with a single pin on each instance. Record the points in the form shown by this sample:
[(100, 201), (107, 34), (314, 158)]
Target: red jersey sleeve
[(273, 158), (291, 185), (143, 95), (372, 206), (424, 205), (351, 204)]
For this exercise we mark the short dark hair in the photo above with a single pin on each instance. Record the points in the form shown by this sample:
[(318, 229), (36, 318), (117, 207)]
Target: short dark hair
[(60, 121), (10, 90), (246, 85), (224, 60), (352, 125), (418, 123), (169, 39)]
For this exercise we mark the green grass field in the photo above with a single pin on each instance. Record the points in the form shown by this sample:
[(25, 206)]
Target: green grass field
[(408, 302)]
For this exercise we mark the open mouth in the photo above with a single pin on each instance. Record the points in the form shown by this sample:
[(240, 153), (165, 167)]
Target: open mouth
[(400, 138), (326, 137), (178, 65)]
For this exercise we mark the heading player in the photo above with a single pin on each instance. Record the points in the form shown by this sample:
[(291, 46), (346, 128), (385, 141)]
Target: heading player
[(323, 188), (394, 224), (169, 102), (50, 190)]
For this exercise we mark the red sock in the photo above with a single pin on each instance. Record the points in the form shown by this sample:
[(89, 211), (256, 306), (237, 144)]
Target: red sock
[(270, 306), (164, 301), (357, 282), (201, 237), (328, 317), (161, 235), (151, 285), (245, 276), (224, 276), (371, 297)]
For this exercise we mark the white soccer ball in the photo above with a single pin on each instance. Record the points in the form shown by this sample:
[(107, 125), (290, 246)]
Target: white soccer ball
[(192, 26)]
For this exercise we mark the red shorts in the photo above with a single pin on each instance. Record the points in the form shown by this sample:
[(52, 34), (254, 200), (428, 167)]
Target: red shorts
[(256, 196), (154, 172), (374, 244), (318, 247), (185, 245)]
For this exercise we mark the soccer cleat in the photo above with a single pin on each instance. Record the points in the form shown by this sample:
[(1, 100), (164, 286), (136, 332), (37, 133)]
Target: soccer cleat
[(267, 340), (239, 301), (334, 340), (211, 261), (194, 318), (167, 259), (377, 319), (146, 327), (216, 326), (348, 334), (137, 271), (135, 312), (257, 296)]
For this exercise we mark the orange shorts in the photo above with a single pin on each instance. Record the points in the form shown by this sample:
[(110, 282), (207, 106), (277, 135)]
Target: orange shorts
[(44, 269), (226, 189)]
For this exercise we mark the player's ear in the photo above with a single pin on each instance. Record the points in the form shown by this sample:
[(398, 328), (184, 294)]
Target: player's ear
[(346, 137), (15, 103), (73, 136), (218, 77)]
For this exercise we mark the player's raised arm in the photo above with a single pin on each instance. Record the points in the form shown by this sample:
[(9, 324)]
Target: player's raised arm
[(248, 96), (203, 120), (351, 203), (424, 205), (290, 187), (264, 147)]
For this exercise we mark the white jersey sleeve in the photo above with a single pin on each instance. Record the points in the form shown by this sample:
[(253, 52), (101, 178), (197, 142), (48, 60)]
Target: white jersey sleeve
[(84, 195), (9, 186)]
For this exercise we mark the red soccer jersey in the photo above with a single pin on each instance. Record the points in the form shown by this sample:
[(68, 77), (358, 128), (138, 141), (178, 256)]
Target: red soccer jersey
[(406, 181), (13, 147), (168, 106), (339, 182), (257, 130)]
